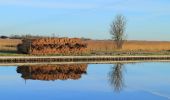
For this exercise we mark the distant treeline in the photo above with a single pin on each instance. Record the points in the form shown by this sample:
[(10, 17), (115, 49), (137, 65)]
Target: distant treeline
[(19, 36), (28, 36)]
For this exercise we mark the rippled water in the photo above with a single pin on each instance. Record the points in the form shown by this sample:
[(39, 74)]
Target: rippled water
[(133, 81)]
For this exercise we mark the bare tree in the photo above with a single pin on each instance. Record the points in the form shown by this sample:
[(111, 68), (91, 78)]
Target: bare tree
[(118, 30)]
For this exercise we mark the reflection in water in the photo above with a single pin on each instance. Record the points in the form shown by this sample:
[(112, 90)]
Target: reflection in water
[(52, 72), (69, 71), (116, 77)]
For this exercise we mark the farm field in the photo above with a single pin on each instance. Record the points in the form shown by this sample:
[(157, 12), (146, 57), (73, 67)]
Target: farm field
[(108, 45), (9, 45), (102, 47)]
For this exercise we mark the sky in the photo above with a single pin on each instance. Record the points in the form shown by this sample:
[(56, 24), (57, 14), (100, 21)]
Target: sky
[(146, 19)]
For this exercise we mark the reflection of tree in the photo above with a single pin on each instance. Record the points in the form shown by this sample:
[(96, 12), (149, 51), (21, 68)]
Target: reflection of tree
[(116, 77), (52, 72)]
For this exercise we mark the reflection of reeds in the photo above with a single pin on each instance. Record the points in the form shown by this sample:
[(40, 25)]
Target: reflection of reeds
[(52, 72), (116, 77)]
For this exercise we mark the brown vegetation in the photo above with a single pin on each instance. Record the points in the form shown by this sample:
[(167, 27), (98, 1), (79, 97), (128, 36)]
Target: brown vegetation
[(102, 45), (145, 46), (9, 44), (53, 72)]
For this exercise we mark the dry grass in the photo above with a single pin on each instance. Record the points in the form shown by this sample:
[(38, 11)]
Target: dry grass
[(147, 45), (9, 44), (108, 45), (100, 45)]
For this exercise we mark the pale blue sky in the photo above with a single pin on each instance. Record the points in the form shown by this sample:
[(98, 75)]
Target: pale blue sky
[(147, 19)]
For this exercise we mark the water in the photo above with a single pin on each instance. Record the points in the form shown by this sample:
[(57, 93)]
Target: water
[(137, 81)]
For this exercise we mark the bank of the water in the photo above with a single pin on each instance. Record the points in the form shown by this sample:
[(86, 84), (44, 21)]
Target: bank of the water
[(51, 59)]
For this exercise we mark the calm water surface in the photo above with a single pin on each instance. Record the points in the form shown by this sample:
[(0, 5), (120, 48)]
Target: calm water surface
[(138, 81)]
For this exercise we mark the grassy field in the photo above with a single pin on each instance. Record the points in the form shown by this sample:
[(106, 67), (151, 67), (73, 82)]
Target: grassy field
[(103, 47), (8, 46), (108, 45), (129, 46)]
